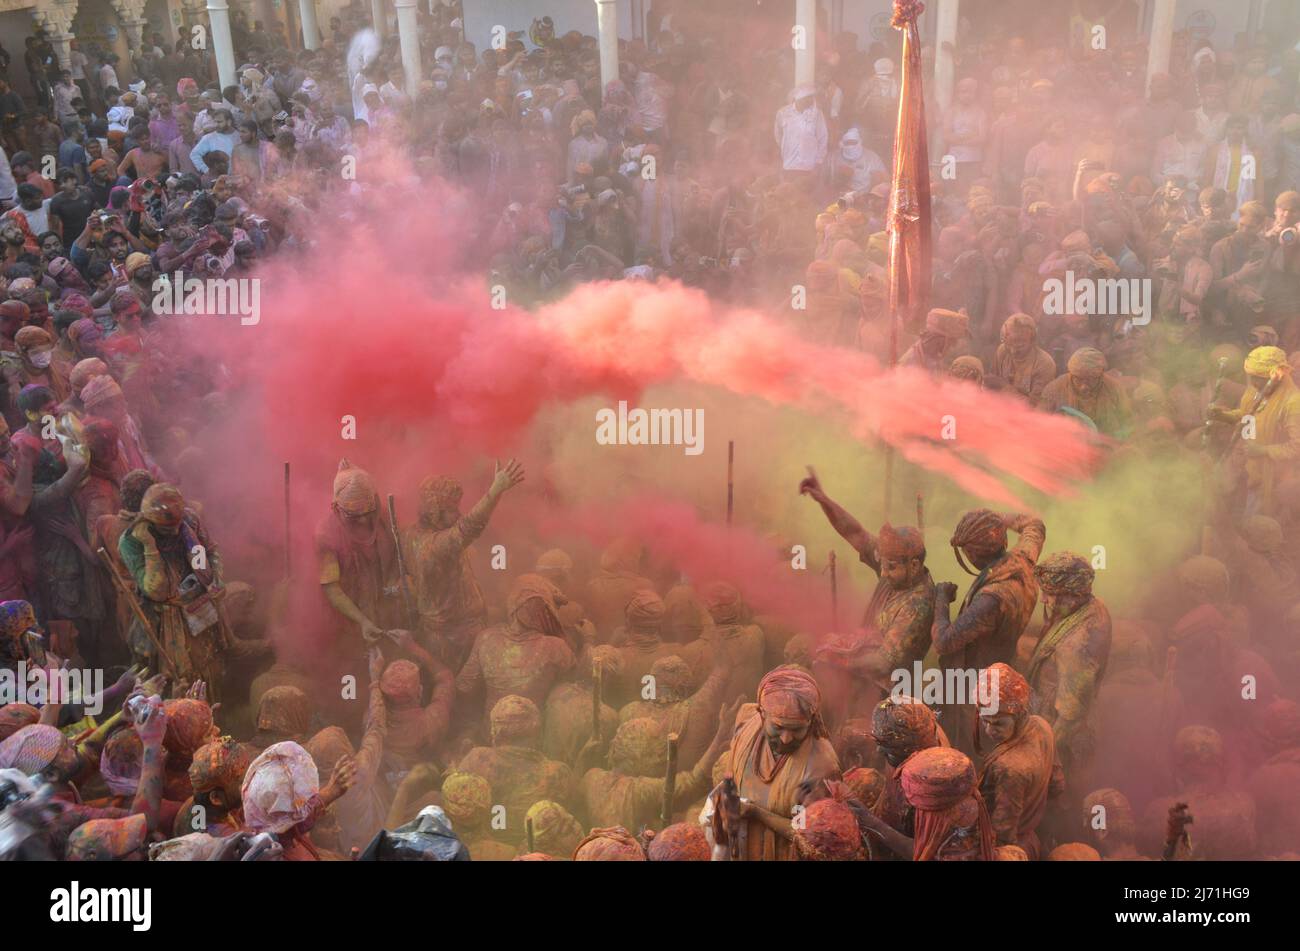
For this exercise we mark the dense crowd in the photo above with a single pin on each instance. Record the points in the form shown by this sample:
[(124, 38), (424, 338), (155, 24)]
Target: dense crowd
[(604, 708)]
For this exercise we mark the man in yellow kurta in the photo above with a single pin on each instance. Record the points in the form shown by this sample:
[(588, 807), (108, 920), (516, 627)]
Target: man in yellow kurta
[(1270, 437), (780, 743)]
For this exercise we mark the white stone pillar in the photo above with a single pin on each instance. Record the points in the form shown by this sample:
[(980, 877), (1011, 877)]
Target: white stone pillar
[(945, 65), (310, 28), (1162, 38), (805, 49), (62, 43), (377, 15), (607, 27), (222, 47), (409, 35)]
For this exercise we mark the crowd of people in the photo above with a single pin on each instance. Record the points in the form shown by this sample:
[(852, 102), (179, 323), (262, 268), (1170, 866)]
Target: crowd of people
[(605, 709)]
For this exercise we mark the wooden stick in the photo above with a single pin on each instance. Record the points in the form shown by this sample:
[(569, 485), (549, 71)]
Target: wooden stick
[(731, 482), (288, 549), (670, 783), (124, 591), (888, 481), (597, 675), (920, 513), (528, 829), (835, 595)]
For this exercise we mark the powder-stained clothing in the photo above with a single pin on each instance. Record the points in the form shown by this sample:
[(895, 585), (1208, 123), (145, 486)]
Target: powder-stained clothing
[(566, 721), (612, 798), (1277, 432), (1064, 675), (772, 782), (1015, 780), (415, 732), (519, 777), (197, 655), (1028, 377), (1108, 406), (743, 647), (892, 806), (639, 652), (364, 568), (447, 595), (505, 660)]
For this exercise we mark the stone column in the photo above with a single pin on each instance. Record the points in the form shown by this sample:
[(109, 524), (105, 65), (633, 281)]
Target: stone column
[(805, 58), (223, 50), (1162, 38), (409, 35), (54, 17), (607, 27), (377, 14), (310, 28), (944, 62)]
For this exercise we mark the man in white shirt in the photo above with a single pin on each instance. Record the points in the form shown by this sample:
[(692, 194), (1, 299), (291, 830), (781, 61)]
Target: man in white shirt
[(801, 134)]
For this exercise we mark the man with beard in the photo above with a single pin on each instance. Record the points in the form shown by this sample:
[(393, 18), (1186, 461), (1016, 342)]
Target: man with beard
[(780, 743), (1273, 426), (447, 596), (1020, 772), (997, 607), (1026, 367), (896, 626), (1086, 389), (356, 558), (1069, 660)]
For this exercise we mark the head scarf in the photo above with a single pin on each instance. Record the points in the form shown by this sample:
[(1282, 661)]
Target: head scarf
[(278, 789), (354, 490), (939, 783), (1117, 814), (162, 503), (1198, 751), (438, 494), (221, 764), (85, 370), (400, 683), (673, 679), (514, 717), (865, 784), (622, 556), (638, 748), (950, 323), (555, 831), (100, 389), (900, 544), (466, 798), (533, 604), (791, 693), (680, 842), (904, 721), (980, 532), (33, 338), (327, 747), (1010, 853), (189, 726), (1064, 572), (829, 833), (33, 749), (195, 847), (583, 117), (187, 87), (1010, 688), (16, 619), (1074, 852), (134, 261), (723, 603), (1267, 362), (15, 716), (967, 368), (104, 840), (613, 844), (1086, 360), (686, 614), (645, 612), (1206, 577), (284, 710)]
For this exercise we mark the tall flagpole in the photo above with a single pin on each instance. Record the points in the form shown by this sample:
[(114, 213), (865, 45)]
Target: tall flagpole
[(908, 219)]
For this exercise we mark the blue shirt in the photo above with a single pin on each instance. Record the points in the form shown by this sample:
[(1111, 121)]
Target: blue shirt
[(213, 142)]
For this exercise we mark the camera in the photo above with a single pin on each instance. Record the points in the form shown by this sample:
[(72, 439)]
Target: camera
[(1288, 236)]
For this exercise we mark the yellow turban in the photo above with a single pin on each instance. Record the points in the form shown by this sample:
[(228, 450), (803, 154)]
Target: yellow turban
[(1266, 361)]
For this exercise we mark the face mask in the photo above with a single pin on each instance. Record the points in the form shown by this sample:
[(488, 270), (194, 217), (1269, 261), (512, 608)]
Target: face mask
[(40, 358)]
